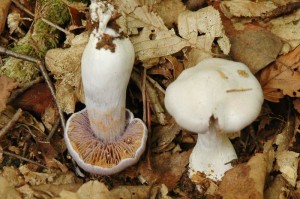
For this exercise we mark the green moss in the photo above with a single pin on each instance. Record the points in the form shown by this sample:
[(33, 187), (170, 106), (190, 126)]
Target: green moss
[(37, 41)]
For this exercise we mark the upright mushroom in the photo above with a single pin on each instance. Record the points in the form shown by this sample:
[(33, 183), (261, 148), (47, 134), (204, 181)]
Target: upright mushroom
[(213, 98), (104, 138)]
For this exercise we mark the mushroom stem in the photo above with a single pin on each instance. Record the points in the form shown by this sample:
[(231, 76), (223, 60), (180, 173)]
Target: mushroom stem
[(212, 154), (105, 76)]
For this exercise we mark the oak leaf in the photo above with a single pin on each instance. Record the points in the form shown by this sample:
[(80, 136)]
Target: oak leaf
[(282, 77), (242, 8)]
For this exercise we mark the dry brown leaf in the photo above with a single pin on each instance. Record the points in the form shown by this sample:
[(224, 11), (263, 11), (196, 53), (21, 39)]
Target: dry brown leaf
[(6, 86), (4, 7), (245, 8), (245, 180), (7, 191), (296, 103), (164, 135), (205, 21), (282, 77), (167, 168), (287, 28), (65, 64), (89, 190), (258, 43), (277, 187), (287, 162), (169, 11), (155, 43)]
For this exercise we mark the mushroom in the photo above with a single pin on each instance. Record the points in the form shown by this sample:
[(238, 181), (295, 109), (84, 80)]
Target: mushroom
[(105, 138), (213, 98)]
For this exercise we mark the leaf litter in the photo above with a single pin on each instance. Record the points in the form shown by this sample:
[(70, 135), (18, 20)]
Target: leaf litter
[(167, 38)]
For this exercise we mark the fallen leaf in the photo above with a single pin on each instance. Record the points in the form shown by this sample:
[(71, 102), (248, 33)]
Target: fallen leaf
[(89, 190), (206, 22), (255, 42), (36, 99), (246, 180), (167, 168), (276, 188), (287, 162), (242, 8), (282, 77), (296, 104), (155, 43), (169, 10), (65, 64), (4, 7), (287, 28), (164, 135), (7, 191), (6, 86)]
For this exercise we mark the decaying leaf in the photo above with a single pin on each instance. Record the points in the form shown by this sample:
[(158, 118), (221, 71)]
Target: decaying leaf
[(205, 21), (96, 190), (169, 10), (4, 7), (258, 43), (288, 29), (287, 162), (245, 180), (164, 135), (282, 77), (6, 86), (7, 191), (245, 8), (276, 188), (65, 65), (167, 168), (155, 43)]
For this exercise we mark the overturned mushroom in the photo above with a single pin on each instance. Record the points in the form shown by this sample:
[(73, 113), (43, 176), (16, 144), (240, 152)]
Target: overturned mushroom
[(105, 138), (213, 98)]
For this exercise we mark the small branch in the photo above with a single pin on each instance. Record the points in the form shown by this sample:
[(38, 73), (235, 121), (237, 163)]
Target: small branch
[(144, 95), (44, 73), (22, 158), (53, 130), (155, 84), (11, 123), (43, 19)]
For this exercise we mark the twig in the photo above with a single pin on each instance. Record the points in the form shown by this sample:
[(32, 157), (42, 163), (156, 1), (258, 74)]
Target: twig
[(144, 95), (24, 87), (11, 123), (44, 73), (149, 132), (53, 130), (22, 158), (43, 19), (155, 84), (155, 103)]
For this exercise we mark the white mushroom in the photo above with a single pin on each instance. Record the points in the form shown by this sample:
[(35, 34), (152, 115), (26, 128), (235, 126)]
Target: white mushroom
[(215, 97), (104, 138)]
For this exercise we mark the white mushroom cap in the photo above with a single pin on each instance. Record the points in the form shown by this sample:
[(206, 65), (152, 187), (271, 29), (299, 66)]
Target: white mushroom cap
[(214, 97), (219, 88)]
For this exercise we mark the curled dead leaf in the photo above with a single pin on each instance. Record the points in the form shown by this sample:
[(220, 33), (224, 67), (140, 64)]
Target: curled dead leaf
[(282, 77)]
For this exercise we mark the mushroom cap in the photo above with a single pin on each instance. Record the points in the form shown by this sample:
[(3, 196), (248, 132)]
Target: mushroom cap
[(214, 88), (105, 158)]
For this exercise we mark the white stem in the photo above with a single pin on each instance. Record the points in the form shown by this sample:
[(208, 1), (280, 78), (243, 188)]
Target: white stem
[(105, 76), (212, 154)]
